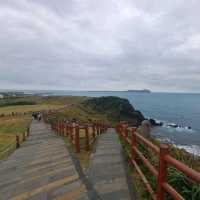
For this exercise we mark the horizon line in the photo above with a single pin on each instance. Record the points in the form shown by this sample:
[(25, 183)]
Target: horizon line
[(81, 90)]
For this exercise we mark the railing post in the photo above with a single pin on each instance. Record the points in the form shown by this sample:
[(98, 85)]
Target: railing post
[(93, 130), (97, 127), (23, 136), (133, 144), (121, 128), (66, 129), (125, 131), (72, 132), (62, 128), (17, 142), (87, 142), (77, 142), (57, 128), (101, 128), (28, 131), (118, 128), (162, 174)]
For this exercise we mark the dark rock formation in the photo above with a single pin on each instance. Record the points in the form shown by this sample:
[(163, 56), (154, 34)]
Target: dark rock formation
[(155, 123), (116, 109)]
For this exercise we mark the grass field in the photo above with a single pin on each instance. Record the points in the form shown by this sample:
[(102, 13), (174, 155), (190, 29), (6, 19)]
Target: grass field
[(9, 128), (36, 103), (14, 125), (28, 108)]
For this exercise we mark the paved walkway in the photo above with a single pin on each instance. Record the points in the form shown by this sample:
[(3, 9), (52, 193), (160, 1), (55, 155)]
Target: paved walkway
[(107, 170), (41, 169)]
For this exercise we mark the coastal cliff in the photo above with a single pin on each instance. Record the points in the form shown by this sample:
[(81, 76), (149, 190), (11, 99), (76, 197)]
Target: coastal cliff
[(115, 108)]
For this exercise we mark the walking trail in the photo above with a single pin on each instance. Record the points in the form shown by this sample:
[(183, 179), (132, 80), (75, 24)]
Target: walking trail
[(43, 169), (107, 169)]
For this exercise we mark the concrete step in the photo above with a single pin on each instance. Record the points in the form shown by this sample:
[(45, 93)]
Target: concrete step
[(41, 169)]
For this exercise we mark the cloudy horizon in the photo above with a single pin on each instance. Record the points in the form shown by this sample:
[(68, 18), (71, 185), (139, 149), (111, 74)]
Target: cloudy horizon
[(100, 45)]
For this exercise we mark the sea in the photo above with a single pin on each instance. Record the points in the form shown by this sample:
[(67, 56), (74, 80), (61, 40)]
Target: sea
[(179, 112)]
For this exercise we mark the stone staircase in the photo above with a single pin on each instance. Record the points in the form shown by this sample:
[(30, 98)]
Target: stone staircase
[(41, 169)]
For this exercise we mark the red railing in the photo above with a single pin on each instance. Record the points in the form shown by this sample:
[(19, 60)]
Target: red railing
[(81, 136), (164, 159)]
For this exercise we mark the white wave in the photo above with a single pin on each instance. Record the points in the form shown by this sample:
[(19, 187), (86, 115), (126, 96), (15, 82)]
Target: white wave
[(193, 149), (185, 129)]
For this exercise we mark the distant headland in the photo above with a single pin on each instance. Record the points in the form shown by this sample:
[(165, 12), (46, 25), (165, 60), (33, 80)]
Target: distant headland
[(140, 91), (135, 91)]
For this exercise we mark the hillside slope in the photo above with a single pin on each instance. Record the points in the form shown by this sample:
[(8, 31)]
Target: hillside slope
[(115, 108)]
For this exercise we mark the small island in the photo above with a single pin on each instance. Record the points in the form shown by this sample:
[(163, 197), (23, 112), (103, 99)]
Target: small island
[(139, 91)]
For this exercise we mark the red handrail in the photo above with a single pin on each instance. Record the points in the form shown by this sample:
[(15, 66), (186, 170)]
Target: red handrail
[(164, 160), (72, 131), (183, 168)]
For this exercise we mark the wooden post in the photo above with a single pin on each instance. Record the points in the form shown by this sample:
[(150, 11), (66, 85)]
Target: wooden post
[(17, 142), (71, 132), (77, 142), (23, 136), (28, 131), (125, 131), (133, 144), (62, 128), (67, 129), (57, 128), (164, 150), (87, 140), (118, 127), (98, 132), (100, 128), (103, 128), (93, 131)]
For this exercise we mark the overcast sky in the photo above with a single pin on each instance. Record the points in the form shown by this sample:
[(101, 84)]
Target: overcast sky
[(100, 44)]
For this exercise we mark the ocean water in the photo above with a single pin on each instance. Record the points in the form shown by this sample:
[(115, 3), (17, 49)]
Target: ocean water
[(177, 108)]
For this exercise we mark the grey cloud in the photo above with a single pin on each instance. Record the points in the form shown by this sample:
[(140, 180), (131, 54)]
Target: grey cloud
[(105, 45)]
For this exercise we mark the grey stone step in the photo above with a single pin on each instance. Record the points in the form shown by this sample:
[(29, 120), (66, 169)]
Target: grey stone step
[(41, 168), (106, 168)]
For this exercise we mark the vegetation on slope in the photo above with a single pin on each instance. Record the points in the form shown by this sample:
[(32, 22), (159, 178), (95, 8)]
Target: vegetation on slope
[(30, 104), (186, 187), (115, 108)]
